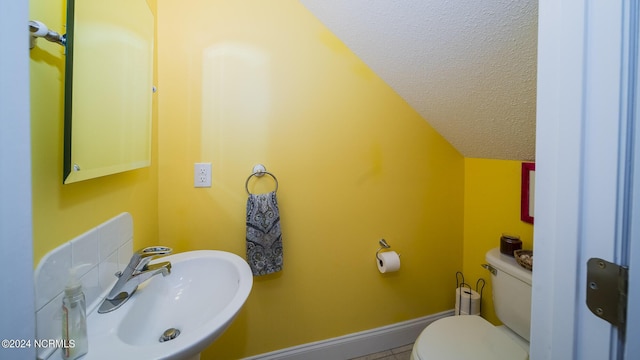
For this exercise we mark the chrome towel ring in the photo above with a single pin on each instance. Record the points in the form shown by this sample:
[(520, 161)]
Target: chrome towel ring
[(259, 170)]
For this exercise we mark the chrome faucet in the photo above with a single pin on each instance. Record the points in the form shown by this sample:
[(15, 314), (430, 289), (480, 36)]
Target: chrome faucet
[(138, 271)]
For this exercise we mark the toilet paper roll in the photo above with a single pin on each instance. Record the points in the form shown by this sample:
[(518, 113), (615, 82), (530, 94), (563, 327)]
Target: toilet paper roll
[(389, 261), (467, 301)]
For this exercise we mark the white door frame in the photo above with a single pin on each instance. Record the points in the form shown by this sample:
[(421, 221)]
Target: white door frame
[(581, 54), (16, 254), (631, 136)]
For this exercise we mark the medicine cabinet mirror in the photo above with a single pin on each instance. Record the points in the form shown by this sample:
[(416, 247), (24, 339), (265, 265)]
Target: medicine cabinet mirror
[(108, 87)]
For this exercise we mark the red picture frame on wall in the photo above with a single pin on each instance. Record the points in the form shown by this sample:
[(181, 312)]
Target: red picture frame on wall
[(527, 192)]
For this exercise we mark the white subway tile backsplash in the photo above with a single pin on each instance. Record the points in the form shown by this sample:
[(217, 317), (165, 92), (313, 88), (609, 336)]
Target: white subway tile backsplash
[(107, 270), (107, 246), (90, 287), (84, 251), (52, 274), (104, 250), (124, 254), (113, 234), (126, 222)]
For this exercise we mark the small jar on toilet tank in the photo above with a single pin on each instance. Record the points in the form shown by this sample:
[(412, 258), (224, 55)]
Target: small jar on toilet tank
[(509, 243)]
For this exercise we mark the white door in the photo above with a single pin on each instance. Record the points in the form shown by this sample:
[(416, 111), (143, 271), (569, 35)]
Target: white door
[(585, 203)]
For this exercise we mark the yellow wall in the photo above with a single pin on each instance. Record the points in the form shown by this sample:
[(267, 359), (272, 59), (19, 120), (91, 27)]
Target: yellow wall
[(491, 207), (246, 82), (61, 212)]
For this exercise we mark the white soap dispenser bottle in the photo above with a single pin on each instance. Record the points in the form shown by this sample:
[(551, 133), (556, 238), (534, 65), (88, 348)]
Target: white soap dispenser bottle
[(74, 319)]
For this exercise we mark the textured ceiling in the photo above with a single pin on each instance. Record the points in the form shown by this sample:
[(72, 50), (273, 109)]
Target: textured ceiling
[(468, 67)]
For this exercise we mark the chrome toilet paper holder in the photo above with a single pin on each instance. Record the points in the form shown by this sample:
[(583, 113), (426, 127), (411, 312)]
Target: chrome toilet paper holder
[(383, 245)]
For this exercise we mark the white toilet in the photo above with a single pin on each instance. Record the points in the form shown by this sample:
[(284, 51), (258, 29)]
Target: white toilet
[(472, 337)]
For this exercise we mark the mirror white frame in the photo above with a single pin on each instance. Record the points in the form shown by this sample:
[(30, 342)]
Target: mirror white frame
[(108, 88)]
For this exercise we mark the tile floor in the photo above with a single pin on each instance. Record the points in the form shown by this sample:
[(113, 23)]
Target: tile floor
[(399, 353)]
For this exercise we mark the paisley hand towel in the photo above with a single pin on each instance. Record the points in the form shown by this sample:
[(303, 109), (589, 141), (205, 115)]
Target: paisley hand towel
[(264, 238)]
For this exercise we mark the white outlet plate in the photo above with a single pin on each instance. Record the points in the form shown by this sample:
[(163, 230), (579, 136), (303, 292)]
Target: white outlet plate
[(202, 175)]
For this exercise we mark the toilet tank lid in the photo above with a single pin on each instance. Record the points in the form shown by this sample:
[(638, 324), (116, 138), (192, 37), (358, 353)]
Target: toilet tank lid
[(508, 264)]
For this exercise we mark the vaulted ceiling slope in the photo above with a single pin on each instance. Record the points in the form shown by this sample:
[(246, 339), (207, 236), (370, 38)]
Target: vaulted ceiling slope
[(467, 66)]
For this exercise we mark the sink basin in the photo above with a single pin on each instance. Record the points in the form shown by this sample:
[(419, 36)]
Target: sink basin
[(200, 298)]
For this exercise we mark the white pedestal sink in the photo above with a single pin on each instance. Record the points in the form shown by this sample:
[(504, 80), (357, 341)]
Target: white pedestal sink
[(200, 298)]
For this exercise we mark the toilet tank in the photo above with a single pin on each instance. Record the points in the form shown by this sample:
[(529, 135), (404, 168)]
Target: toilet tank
[(511, 285)]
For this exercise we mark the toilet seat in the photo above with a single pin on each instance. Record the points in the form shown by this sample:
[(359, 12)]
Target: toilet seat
[(465, 337)]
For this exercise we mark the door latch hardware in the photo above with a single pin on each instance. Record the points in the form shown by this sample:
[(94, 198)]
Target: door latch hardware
[(607, 290)]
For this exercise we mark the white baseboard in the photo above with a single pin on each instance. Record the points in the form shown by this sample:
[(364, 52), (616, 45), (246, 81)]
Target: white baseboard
[(356, 344)]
